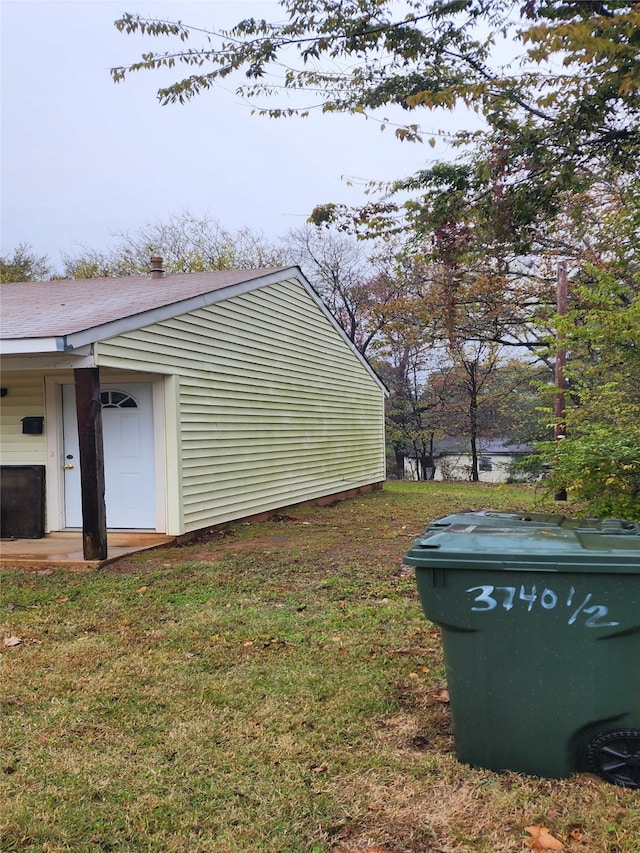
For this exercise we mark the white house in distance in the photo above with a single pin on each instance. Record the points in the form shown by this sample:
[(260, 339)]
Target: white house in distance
[(186, 400), (452, 458)]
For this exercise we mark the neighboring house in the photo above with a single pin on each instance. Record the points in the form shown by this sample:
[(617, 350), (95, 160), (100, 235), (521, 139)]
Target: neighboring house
[(452, 458), (195, 399)]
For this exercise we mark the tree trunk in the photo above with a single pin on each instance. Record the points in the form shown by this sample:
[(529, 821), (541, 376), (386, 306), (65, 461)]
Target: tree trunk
[(559, 429), (432, 463), (473, 422)]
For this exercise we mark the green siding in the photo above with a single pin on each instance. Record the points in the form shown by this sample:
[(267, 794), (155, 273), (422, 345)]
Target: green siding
[(275, 406)]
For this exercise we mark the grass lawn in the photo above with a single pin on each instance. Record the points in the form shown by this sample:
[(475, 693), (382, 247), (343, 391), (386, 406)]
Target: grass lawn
[(271, 687)]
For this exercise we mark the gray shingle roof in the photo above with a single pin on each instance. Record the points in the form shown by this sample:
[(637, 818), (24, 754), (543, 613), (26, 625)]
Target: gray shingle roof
[(39, 309), (486, 446)]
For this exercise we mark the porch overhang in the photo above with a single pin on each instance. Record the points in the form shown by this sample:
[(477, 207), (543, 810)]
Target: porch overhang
[(39, 346)]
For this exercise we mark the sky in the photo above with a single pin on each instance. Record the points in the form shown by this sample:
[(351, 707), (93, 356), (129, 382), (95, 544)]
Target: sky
[(83, 159)]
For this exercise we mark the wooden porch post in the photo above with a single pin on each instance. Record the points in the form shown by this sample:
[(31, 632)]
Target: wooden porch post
[(89, 414)]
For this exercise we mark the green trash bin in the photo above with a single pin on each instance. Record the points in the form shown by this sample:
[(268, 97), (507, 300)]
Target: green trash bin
[(540, 622)]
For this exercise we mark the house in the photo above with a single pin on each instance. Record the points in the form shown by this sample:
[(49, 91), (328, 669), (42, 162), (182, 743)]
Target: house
[(452, 458), (174, 403)]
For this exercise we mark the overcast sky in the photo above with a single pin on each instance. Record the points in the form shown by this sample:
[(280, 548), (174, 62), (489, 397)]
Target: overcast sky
[(84, 159)]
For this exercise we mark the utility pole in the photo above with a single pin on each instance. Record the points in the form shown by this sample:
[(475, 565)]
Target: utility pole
[(559, 428)]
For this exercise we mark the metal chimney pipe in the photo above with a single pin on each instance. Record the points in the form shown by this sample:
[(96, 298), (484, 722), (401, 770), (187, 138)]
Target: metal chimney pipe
[(157, 270)]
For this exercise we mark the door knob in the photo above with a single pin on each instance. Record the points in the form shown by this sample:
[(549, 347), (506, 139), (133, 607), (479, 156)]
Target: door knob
[(67, 467)]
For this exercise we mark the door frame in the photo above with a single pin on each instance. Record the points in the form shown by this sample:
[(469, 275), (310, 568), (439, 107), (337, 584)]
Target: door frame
[(55, 505)]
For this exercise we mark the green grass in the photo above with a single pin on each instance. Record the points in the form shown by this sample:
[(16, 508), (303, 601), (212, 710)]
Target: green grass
[(274, 687)]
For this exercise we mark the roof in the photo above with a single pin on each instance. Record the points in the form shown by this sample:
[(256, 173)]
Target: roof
[(486, 447), (71, 314), (492, 446), (45, 309)]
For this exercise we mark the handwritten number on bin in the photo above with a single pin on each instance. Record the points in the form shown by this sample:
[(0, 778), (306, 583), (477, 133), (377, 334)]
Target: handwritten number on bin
[(489, 597)]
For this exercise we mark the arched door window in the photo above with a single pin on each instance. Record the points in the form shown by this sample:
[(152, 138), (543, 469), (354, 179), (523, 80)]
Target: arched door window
[(117, 400)]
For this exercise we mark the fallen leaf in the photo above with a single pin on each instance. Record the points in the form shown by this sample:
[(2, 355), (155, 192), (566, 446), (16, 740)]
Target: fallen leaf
[(62, 598), (12, 641), (248, 644), (443, 695), (576, 834), (45, 572), (541, 839), (142, 589), (423, 669)]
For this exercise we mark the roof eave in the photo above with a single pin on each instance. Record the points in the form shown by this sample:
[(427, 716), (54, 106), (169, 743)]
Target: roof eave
[(24, 346)]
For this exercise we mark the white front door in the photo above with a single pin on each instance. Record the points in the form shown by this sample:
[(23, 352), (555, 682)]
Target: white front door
[(127, 427)]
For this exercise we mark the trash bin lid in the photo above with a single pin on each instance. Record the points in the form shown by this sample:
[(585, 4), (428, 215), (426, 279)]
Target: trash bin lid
[(608, 526), (513, 542)]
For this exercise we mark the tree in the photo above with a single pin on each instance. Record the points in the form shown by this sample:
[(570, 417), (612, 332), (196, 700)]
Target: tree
[(464, 387), (364, 286), (560, 122), (186, 244), (411, 415), (340, 271), (559, 119), (563, 110), (599, 461), (24, 265), (516, 401)]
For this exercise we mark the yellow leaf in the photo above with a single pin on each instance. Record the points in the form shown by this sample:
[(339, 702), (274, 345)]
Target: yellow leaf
[(541, 839)]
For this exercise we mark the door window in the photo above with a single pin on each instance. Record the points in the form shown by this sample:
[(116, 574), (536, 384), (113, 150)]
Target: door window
[(117, 400)]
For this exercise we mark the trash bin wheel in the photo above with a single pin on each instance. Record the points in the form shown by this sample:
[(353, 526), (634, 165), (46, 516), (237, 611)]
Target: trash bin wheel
[(615, 756)]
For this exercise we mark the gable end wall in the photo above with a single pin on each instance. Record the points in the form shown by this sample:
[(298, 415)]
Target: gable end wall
[(274, 406)]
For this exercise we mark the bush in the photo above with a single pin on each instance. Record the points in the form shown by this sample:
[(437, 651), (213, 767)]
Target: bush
[(601, 469), (528, 469)]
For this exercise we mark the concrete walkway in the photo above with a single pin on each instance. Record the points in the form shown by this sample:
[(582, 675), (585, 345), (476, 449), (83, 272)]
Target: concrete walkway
[(64, 550)]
